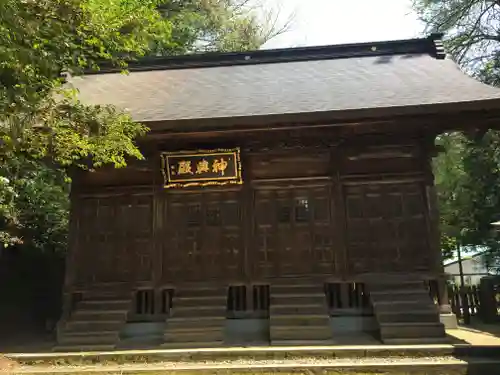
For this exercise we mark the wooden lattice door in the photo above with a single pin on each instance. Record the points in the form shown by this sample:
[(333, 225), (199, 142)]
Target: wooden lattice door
[(293, 232), (387, 227), (114, 239), (204, 240)]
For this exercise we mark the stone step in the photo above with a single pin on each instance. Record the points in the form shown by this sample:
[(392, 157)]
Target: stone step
[(189, 345), (201, 322), (401, 295), (298, 289), (83, 348), (303, 343), (109, 287), (104, 305), (264, 353), (424, 316), (298, 299), (201, 292), (299, 320), (299, 309), (302, 333), (405, 311), (402, 306), (88, 338), (390, 277), (411, 330), (93, 325), (98, 315), (213, 330), (193, 312), (356, 366), (100, 295), (296, 281), (395, 286), (417, 290), (200, 301), (417, 341)]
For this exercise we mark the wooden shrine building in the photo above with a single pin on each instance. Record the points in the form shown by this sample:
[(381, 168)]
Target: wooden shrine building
[(290, 187)]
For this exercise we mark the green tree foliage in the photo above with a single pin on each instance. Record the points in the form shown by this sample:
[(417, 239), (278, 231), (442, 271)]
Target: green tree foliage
[(219, 25), (471, 29), (44, 129), (448, 178), (43, 126), (467, 177), (40, 42), (37, 201), (468, 172)]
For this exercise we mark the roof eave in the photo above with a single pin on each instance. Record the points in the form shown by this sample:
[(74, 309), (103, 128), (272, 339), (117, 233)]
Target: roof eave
[(485, 113)]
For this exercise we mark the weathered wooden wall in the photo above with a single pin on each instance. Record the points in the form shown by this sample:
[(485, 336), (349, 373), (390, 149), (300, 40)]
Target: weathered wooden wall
[(331, 209)]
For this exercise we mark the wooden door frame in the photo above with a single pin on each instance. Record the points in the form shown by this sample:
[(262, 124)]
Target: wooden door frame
[(293, 185)]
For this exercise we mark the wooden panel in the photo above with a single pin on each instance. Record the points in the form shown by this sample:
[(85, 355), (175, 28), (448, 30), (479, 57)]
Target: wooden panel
[(291, 163), (380, 159), (387, 228), (373, 166), (287, 219), (115, 239), (203, 238), (136, 173), (292, 233)]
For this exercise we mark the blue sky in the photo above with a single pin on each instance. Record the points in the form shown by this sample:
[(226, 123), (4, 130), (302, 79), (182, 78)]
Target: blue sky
[(320, 22)]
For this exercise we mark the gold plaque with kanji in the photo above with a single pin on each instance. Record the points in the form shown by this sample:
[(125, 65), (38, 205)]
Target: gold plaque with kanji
[(201, 168)]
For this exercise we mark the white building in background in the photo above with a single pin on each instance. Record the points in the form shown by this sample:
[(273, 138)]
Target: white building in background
[(473, 268)]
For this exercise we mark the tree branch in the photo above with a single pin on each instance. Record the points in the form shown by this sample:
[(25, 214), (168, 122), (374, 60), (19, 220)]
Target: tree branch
[(469, 37)]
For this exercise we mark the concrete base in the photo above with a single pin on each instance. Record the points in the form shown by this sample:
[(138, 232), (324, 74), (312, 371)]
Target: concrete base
[(342, 325), (246, 331), (134, 330), (256, 331), (142, 335), (449, 321)]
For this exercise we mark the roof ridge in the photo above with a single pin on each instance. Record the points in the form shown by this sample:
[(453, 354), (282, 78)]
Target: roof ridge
[(431, 45)]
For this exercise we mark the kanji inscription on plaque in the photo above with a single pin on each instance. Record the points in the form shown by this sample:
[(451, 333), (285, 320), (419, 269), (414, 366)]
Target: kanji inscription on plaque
[(201, 168)]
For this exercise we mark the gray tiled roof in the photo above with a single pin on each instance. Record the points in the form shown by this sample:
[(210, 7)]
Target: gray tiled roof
[(284, 87)]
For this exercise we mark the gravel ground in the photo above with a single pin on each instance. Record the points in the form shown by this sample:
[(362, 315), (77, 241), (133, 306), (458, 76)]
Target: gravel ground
[(306, 363), (6, 364)]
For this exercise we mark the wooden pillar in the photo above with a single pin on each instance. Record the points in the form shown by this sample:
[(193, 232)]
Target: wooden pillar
[(70, 269), (157, 227), (488, 304), (339, 225), (248, 242), (75, 214), (70, 261)]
